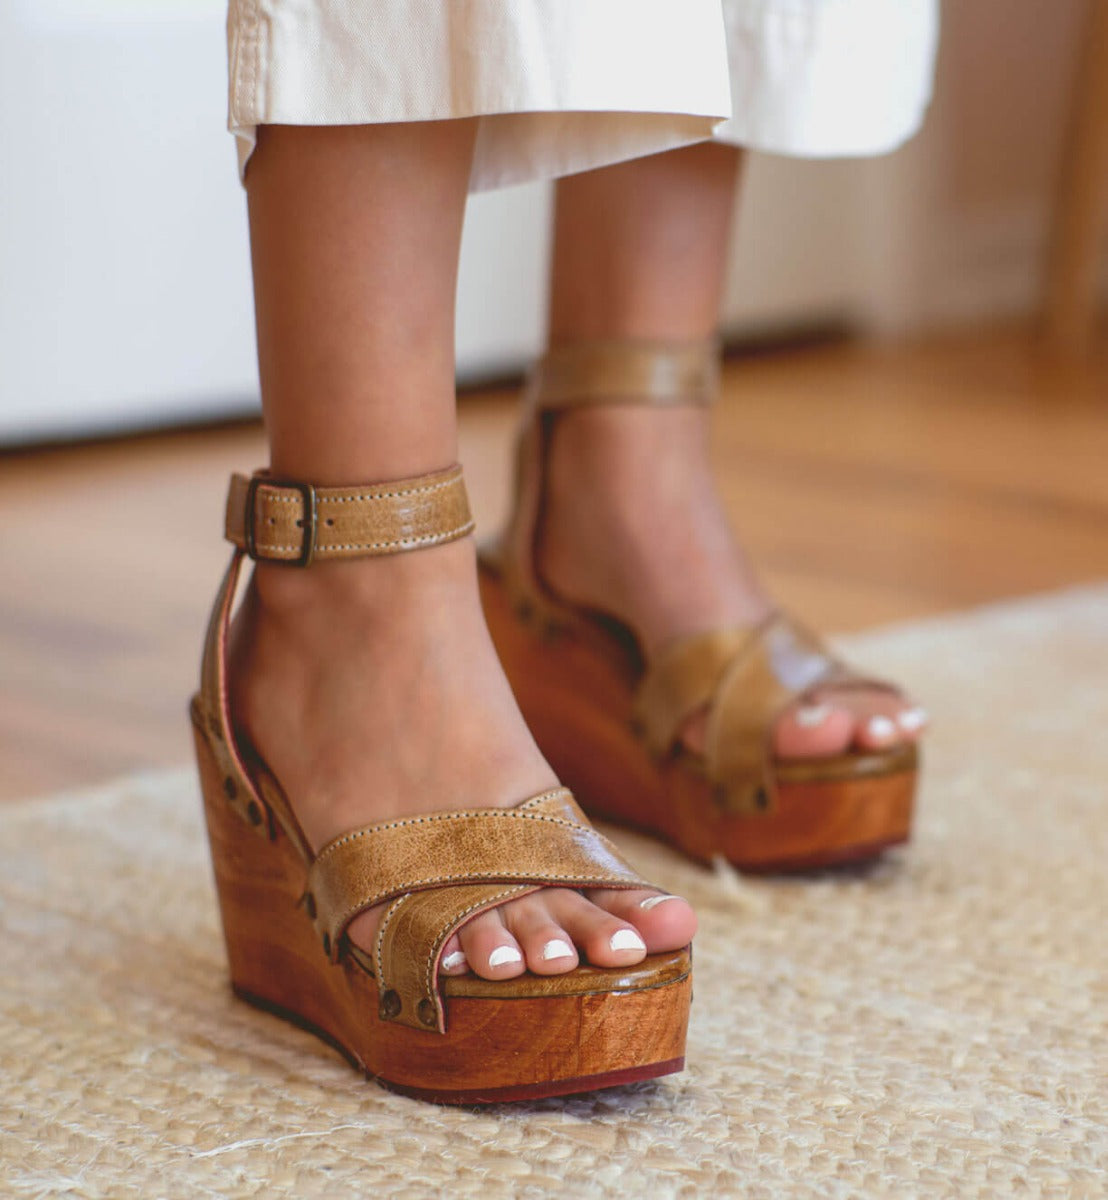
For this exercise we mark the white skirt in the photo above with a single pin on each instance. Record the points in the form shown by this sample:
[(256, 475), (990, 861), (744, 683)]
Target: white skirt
[(566, 85)]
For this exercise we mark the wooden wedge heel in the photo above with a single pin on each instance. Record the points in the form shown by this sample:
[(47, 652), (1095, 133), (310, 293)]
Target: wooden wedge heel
[(610, 721), (286, 906)]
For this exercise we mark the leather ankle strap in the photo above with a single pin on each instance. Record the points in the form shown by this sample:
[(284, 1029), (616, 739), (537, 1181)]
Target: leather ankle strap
[(285, 521), (626, 372)]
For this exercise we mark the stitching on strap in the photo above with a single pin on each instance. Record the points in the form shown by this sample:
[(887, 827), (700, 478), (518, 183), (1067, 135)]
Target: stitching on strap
[(513, 813), (350, 497), (494, 876), (411, 541), (390, 912), (271, 495), (433, 960)]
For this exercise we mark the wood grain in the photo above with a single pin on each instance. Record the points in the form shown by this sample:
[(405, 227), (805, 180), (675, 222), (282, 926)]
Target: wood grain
[(872, 484)]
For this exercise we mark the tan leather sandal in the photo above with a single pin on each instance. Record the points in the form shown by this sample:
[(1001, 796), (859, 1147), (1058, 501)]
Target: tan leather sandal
[(610, 722), (286, 908)]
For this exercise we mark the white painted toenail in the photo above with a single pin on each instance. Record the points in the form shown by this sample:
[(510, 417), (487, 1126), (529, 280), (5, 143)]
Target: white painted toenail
[(653, 901), (556, 948), (504, 954), (913, 720), (808, 716), (881, 728), (454, 960), (626, 939)]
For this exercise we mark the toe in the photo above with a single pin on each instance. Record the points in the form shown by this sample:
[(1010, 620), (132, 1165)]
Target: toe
[(814, 728), (877, 719), (664, 922), (547, 948), (603, 939), (490, 949), (913, 721), (453, 960)]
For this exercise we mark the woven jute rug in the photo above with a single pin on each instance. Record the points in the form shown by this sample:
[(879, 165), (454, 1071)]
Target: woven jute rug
[(934, 1026)]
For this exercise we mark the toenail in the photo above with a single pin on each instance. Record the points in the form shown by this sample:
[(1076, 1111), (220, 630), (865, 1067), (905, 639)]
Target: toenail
[(452, 961), (626, 939), (913, 720), (556, 948), (808, 716), (653, 901), (880, 728), (504, 954)]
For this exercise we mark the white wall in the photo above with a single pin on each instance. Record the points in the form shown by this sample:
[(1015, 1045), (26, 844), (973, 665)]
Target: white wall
[(124, 292), (124, 273)]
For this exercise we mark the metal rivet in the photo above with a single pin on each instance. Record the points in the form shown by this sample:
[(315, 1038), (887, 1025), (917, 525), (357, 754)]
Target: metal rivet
[(230, 789), (327, 944), (390, 1005), (309, 904), (253, 813), (427, 1013)]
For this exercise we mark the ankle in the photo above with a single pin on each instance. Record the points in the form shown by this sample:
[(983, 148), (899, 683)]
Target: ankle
[(383, 588), (633, 524), (628, 460)]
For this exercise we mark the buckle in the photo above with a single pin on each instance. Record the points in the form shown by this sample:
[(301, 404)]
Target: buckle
[(309, 521)]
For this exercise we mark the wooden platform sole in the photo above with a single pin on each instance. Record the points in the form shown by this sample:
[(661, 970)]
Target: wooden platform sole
[(577, 701), (512, 1040)]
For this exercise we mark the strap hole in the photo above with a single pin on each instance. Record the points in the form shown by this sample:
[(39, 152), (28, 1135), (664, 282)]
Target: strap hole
[(254, 813), (309, 905), (327, 944), (427, 1014), (229, 788), (329, 521), (390, 1005)]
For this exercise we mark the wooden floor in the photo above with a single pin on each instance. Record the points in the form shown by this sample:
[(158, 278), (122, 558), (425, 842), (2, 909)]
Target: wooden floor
[(872, 484)]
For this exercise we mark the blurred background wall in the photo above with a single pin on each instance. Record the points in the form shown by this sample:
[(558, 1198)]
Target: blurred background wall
[(124, 270)]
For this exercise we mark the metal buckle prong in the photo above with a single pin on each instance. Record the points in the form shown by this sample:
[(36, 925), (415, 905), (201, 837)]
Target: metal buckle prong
[(309, 522)]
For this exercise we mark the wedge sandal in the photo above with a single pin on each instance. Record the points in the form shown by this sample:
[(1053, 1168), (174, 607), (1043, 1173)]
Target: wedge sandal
[(286, 907), (609, 721)]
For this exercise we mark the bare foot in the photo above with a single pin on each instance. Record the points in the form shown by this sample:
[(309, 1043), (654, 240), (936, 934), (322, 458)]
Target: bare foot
[(634, 527), (372, 690)]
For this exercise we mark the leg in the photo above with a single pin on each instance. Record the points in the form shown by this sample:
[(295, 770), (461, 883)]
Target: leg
[(371, 687), (634, 524)]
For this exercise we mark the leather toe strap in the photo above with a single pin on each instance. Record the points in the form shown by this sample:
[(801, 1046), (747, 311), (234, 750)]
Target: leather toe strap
[(682, 680), (409, 945), (438, 870), (745, 679)]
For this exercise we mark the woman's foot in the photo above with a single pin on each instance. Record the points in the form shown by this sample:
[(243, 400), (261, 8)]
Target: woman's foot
[(372, 690), (633, 526)]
